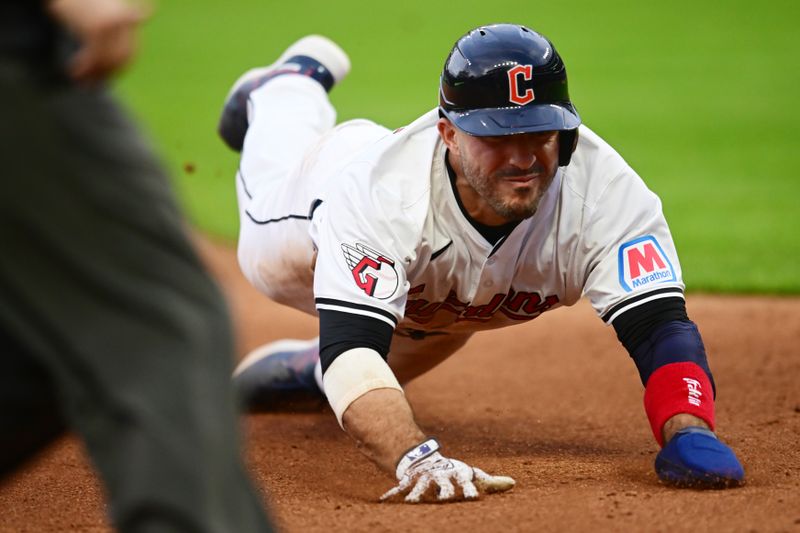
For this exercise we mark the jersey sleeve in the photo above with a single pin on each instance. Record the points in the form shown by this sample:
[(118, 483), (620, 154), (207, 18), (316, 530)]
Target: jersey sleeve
[(627, 253), (362, 255), (340, 332)]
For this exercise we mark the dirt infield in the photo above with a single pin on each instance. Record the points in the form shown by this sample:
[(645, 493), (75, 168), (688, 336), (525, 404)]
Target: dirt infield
[(555, 403)]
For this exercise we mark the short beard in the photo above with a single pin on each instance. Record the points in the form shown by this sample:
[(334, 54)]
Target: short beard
[(484, 186)]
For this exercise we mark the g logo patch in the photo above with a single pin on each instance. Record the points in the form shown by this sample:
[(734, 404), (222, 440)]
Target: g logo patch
[(373, 272)]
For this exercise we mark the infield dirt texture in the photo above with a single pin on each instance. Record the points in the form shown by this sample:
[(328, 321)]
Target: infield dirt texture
[(556, 403), (697, 96)]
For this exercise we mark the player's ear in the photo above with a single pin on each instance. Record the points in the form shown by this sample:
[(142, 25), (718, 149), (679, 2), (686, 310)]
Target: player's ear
[(567, 144), (447, 132)]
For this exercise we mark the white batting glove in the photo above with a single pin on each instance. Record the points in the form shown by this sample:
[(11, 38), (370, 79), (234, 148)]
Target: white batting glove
[(423, 466)]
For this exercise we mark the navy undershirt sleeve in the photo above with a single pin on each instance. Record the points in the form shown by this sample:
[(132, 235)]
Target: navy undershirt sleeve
[(658, 333), (339, 332)]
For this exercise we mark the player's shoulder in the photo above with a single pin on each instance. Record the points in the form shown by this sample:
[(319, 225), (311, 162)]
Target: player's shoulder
[(594, 159), (388, 184), (397, 168), (595, 167)]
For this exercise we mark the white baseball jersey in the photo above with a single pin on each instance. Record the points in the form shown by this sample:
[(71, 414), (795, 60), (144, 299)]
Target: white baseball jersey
[(393, 243)]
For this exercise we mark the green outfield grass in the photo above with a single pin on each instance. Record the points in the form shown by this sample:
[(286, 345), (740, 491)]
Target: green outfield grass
[(695, 95)]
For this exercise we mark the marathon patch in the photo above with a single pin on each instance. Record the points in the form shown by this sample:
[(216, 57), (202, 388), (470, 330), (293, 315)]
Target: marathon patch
[(642, 262), (372, 271)]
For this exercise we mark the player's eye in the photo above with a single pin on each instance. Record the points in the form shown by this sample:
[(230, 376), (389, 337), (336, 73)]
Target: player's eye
[(545, 136)]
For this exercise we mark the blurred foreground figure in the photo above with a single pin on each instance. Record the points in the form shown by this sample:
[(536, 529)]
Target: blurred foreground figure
[(109, 324)]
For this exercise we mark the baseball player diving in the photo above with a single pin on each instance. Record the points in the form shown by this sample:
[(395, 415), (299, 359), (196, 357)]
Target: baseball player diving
[(485, 212)]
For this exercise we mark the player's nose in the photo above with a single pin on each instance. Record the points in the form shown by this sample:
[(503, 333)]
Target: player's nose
[(520, 155)]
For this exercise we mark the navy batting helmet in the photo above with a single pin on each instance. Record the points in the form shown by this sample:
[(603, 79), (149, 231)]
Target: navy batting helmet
[(504, 79)]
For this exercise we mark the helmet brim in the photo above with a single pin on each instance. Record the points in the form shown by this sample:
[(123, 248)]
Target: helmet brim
[(512, 120)]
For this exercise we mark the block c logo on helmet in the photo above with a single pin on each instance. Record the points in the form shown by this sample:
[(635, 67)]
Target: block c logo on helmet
[(514, 73)]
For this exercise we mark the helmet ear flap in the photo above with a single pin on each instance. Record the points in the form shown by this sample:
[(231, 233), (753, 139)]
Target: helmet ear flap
[(567, 142)]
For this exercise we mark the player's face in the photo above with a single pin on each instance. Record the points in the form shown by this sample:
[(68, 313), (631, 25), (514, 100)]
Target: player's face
[(507, 175)]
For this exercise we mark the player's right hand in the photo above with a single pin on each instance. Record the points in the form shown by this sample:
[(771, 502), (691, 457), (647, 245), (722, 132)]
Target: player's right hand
[(423, 468)]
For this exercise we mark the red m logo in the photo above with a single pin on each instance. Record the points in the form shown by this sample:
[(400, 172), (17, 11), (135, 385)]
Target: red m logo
[(637, 260), (526, 71)]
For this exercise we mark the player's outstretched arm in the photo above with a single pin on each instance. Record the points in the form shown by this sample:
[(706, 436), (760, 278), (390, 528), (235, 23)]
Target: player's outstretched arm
[(679, 395), (382, 423)]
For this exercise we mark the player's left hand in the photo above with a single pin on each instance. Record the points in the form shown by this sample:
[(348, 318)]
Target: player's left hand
[(695, 458), (423, 467)]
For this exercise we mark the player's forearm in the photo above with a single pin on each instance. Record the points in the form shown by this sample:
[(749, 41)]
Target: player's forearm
[(370, 406), (383, 426)]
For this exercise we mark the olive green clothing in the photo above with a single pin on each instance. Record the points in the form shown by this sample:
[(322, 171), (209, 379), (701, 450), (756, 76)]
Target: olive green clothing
[(109, 324)]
